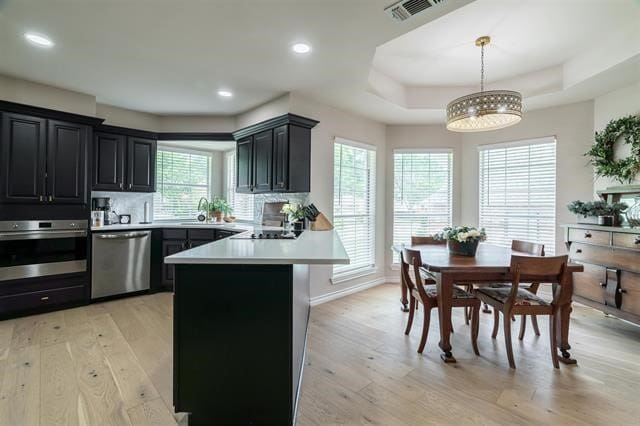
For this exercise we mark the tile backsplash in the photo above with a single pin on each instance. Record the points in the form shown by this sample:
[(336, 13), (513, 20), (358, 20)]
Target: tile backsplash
[(128, 203), (260, 199), (133, 202)]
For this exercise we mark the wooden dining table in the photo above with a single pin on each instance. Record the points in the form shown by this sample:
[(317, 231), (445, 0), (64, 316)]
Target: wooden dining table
[(491, 264)]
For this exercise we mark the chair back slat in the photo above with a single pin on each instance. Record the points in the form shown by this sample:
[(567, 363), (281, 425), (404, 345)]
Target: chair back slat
[(528, 247), (538, 269), (428, 240), (412, 258)]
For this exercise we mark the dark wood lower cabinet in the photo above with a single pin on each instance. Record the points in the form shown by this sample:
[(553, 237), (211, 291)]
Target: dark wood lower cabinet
[(29, 296), (239, 342), (170, 247), (611, 278)]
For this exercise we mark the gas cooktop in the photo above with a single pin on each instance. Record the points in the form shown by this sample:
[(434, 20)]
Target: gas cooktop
[(262, 234)]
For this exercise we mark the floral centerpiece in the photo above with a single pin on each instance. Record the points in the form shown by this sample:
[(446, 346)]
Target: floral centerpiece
[(462, 240)]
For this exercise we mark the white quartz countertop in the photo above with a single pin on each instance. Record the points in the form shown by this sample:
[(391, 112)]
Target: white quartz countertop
[(240, 227), (310, 248)]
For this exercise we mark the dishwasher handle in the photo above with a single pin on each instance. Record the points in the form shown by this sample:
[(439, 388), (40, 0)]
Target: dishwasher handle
[(122, 236)]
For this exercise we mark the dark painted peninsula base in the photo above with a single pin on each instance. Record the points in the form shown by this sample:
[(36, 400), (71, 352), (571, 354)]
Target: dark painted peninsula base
[(239, 339)]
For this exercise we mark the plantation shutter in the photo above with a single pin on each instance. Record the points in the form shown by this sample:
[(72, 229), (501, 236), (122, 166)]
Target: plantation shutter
[(354, 205), (422, 193), (182, 178), (518, 192), (242, 203)]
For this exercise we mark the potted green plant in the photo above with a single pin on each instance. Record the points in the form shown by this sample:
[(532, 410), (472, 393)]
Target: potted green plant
[(597, 212), (462, 240), (217, 208), (295, 214)]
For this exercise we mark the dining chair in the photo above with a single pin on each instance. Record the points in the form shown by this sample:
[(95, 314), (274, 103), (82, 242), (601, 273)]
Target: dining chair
[(534, 249), (427, 294), (518, 301)]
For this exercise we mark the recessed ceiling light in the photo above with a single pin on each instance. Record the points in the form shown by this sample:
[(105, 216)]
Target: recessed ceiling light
[(301, 48), (38, 40), (225, 93)]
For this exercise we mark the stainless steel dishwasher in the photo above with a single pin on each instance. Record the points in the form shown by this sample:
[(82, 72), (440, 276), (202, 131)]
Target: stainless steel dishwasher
[(120, 262)]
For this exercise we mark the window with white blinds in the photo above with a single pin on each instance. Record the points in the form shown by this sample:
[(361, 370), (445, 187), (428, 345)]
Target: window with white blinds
[(242, 203), (182, 178), (354, 205), (422, 193), (518, 192)]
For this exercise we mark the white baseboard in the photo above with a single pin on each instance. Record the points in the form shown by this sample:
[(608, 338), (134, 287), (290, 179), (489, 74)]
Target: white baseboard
[(318, 300)]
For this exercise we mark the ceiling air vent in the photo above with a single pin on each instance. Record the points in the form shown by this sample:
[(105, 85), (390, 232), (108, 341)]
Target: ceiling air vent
[(405, 9)]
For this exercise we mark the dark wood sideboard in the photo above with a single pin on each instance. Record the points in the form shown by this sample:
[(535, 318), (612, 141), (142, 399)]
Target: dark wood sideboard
[(611, 278)]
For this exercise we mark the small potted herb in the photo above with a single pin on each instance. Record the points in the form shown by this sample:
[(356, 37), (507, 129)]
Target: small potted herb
[(597, 212), (462, 240), (217, 208), (295, 214)]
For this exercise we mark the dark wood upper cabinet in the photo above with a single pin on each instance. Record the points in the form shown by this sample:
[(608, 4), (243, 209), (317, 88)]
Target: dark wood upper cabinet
[(262, 159), (275, 155), (141, 164), (244, 165), (280, 158), (23, 158), (108, 161), (66, 162), (124, 160)]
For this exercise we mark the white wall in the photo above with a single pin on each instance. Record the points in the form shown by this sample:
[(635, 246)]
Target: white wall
[(31, 93), (614, 105), (336, 123), (572, 125), (273, 108), (435, 136)]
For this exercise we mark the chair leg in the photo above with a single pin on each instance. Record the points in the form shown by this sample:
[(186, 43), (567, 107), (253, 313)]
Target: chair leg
[(552, 338), (523, 326), (507, 342), (496, 322), (412, 310), (467, 314), (475, 326), (451, 326), (425, 328), (534, 322)]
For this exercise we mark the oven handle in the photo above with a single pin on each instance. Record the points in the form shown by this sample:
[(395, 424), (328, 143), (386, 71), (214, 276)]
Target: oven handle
[(125, 236), (41, 235)]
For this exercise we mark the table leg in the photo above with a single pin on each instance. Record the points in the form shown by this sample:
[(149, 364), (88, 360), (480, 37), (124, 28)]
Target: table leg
[(403, 295), (445, 296), (563, 319)]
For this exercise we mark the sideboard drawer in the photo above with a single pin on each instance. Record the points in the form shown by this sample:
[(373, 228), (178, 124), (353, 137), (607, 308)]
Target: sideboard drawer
[(630, 286), (588, 284), (609, 256), (602, 238), (621, 239)]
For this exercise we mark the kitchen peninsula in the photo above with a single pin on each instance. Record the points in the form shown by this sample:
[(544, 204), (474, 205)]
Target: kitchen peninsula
[(241, 310)]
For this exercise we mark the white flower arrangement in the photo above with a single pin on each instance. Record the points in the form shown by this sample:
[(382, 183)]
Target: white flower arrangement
[(462, 234)]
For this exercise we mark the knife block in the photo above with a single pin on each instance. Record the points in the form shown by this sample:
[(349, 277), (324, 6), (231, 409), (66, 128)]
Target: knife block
[(321, 223)]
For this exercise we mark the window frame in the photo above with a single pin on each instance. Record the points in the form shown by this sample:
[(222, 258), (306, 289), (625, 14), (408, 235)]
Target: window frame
[(209, 185), (346, 273), (451, 152), (549, 250)]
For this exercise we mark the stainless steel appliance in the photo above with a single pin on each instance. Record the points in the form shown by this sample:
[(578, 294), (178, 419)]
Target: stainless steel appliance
[(272, 213), (40, 248), (103, 204), (120, 263)]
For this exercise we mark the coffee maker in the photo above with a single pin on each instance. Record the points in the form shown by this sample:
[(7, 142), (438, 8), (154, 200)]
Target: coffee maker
[(102, 204)]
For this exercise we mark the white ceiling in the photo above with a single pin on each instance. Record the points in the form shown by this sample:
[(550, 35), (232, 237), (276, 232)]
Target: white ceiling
[(171, 56)]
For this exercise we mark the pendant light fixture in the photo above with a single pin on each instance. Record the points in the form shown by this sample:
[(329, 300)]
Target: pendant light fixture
[(482, 111)]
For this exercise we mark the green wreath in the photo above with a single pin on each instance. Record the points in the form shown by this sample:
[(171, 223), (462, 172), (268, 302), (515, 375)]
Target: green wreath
[(601, 152)]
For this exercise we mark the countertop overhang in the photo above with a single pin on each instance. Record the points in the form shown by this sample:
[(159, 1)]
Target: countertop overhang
[(310, 248)]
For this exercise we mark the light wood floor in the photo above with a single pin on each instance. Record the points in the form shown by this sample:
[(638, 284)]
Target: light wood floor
[(110, 363)]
